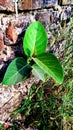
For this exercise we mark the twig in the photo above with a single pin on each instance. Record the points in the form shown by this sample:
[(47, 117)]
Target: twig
[(35, 91), (16, 7)]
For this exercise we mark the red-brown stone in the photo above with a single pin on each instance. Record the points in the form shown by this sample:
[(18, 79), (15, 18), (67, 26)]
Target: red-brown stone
[(7, 5), (2, 2), (24, 4), (11, 32), (1, 42), (29, 4)]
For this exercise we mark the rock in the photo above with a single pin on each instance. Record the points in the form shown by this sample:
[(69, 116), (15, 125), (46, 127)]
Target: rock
[(9, 99), (15, 29), (66, 2), (26, 4), (12, 96), (6, 5), (35, 4), (1, 42), (11, 32), (45, 16), (32, 4)]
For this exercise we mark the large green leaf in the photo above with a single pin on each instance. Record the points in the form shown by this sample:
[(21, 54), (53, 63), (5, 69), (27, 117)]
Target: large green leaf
[(39, 73), (17, 71), (49, 63), (35, 39)]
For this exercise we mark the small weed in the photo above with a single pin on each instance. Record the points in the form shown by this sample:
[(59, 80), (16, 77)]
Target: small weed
[(39, 62), (49, 105)]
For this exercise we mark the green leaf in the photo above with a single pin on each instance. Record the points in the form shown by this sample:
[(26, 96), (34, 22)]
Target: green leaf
[(49, 63), (35, 39), (17, 71), (39, 73)]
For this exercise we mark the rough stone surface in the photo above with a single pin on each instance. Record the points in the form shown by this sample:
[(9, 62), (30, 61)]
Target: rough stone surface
[(11, 32), (13, 29), (26, 4), (1, 41), (9, 99), (6, 5), (30, 4), (12, 96), (66, 2), (35, 4)]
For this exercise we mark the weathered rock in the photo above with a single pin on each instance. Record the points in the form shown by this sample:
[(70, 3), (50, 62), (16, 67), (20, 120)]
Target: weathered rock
[(6, 5), (26, 4), (67, 2), (35, 4), (11, 32), (1, 42), (29, 4), (11, 97), (14, 29)]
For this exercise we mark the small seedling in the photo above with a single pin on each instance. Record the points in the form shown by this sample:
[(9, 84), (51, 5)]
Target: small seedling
[(41, 63)]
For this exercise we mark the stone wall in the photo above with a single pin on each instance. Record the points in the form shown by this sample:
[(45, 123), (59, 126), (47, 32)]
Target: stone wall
[(25, 4), (12, 28), (30, 4)]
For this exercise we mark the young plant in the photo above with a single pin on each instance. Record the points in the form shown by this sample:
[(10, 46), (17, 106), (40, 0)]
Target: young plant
[(41, 63)]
